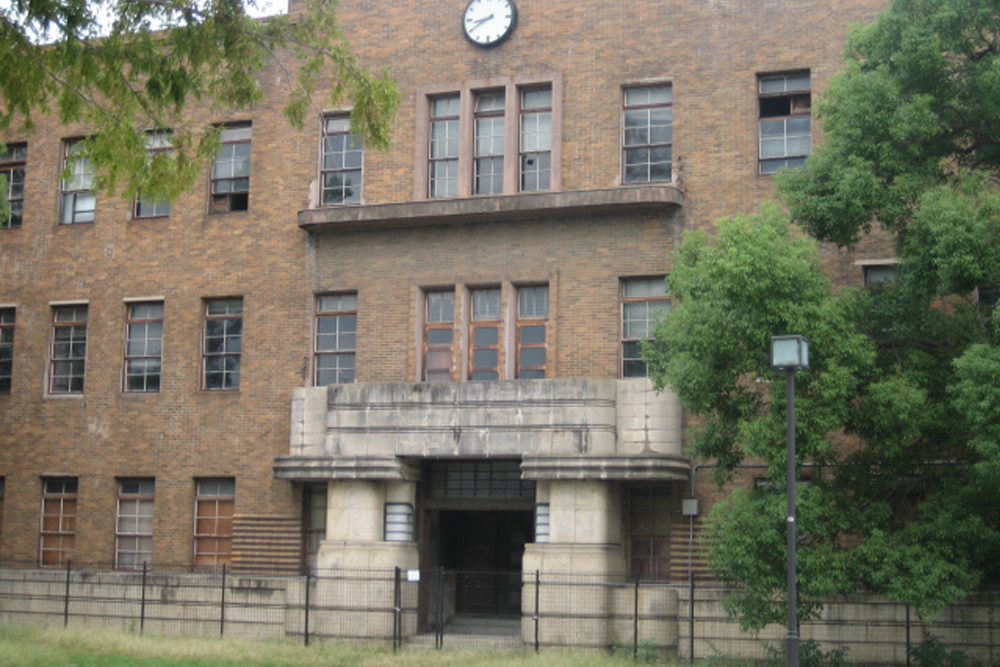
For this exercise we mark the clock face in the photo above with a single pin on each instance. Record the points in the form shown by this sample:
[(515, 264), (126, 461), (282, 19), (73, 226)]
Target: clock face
[(489, 22)]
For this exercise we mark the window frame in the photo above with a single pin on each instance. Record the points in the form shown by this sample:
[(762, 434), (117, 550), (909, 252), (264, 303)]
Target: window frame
[(8, 321), (12, 162), (314, 518), (61, 538), (158, 142), (142, 538), (221, 498), (799, 108), (132, 320), (74, 357), (336, 353), (237, 198), (524, 371), (226, 354), (82, 175), (437, 348), (480, 157), (540, 153), (625, 359), (352, 144), (466, 92), (648, 107), (483, 321), (651, 563)]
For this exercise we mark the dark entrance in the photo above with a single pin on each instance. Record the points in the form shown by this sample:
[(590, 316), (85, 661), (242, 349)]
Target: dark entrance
[(476, 517)]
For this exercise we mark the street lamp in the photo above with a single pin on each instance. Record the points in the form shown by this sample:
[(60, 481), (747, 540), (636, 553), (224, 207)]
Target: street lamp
[(790, 353)]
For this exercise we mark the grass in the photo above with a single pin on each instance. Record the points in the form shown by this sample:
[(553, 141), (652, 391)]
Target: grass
[(51, 647)]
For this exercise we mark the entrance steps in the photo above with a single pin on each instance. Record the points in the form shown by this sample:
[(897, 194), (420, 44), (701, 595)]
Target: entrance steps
[(474, 632)]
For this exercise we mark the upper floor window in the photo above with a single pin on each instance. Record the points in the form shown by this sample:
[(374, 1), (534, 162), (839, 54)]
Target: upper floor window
[(158, 144), (343, 154), (12, 166), (644, 303), (223, 345), (78, 199), (647, 142), (497, 139), (443, 168), (489, 143), (336, 326), (785, 121), (143, 346), (231, 170), (134, 523), (536, 139), (6, 348), (439, 331), (58, 534), (880, 275), (532, 322), (68, 355)]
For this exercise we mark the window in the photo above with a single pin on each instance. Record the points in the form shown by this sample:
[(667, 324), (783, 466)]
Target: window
[(78, 199), (231, 170), (134, 524), (68, 356), (497, 138), (158, 145), (336, 324), (213, 521), (880, 275), (398, 522), (443, 169), (536, 139), (489, 143), (484, 331), (649, 533), (343, 154), (532, 318), (644, 303), (785, 121), (647, 134), (58, 534), (6, 348), (439, 331), (223, 343), (143, 346), (314, 520), (12, 165)]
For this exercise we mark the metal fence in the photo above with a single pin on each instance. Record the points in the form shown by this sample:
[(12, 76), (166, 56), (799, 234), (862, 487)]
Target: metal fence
[(488, 610)]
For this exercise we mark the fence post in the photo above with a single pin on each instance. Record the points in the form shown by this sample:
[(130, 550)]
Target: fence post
[(691, 616), (222, 605), (635, 622), (308, 586), (908, 647), (538, 583), (397, 611), (142, 605), (69, 565), (439, 629)]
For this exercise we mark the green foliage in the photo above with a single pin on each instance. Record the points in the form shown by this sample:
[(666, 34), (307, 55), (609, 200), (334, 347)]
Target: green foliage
[(899, 414), (810, 655), (118, 69), (931, 652)]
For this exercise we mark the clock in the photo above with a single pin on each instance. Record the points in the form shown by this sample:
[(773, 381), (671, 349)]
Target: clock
[(489, 22)]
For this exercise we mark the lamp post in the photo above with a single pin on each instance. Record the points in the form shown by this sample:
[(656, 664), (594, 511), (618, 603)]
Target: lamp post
[(791, 353)]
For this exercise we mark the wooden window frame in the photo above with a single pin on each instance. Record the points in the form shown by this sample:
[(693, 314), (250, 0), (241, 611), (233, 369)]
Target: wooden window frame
[(535, 161), (57, 531), (485, 151), (638, 128), (771, 105), (158, 142), (341, 316), (214, 508), (8, 317), (130, 528), (143, 353), (78, 189), (231, 359), (432, 325), (531, 371), (13, 164), (230, 189), (448, 160), (342, 157), (71, 351), (482, 323), (628, 361)]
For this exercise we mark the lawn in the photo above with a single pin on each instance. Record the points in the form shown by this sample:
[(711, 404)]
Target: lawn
[(97, 647)]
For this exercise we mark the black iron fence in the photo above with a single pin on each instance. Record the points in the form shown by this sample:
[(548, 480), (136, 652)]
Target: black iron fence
[(490, 610)]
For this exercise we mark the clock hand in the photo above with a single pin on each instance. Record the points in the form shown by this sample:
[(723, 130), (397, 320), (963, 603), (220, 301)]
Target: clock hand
[(481, 21)]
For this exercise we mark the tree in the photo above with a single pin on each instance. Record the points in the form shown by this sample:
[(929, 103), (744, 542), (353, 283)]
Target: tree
[(899, 415), (124, 67)]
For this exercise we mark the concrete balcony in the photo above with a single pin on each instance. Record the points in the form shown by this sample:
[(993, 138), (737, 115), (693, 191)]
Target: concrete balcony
[(560, 429)]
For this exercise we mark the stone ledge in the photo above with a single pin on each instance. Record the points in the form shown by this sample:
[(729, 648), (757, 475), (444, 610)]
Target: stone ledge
[(617, 468), (496, 208), (321, 469)]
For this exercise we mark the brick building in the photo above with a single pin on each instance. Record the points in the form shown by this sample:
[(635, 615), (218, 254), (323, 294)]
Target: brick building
[(421, 357)]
